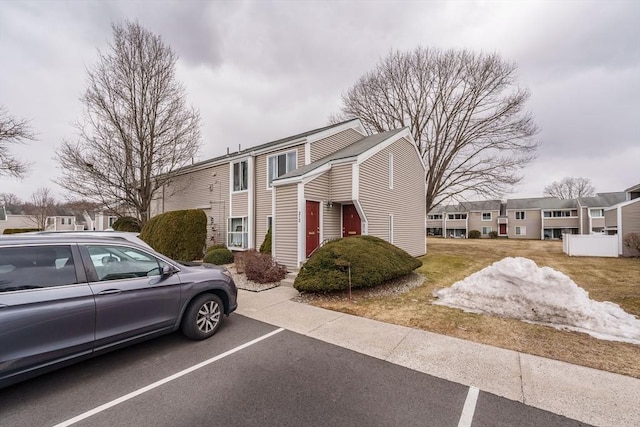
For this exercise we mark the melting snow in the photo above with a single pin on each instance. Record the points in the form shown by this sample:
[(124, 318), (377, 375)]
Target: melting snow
[(518, 288)]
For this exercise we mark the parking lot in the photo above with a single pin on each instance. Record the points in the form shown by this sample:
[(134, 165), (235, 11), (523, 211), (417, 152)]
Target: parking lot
[(252, 373)]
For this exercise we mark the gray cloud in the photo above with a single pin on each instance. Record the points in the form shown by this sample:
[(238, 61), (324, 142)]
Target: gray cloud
[(263, 70)]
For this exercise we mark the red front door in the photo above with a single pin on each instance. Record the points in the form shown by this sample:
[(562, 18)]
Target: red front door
[(503, 229), (313, 226), (351, 223)]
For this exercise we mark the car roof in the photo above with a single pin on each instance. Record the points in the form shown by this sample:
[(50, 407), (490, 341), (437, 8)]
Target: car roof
[(130, 236), (62, 238)]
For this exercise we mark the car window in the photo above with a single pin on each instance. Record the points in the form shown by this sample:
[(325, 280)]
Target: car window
[(120, 262), (33, 267)]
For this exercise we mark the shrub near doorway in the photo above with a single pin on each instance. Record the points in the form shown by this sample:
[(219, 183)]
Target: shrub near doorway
[(373, 261)]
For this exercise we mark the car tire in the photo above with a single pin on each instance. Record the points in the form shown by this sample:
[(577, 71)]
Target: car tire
[(203, 317)]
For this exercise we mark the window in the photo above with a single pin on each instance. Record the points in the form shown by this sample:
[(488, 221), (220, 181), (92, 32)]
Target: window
[(521, 231), (391, 229), (391, 171), (62, 221), (557, 214), (280, 164), (520, 215), (240, 176), (457, 216), (486, 216), (111, 220), (486, 231), (237, 234), (35, 267), (597, 213), (120, 262), (269, 222), (434, 216)]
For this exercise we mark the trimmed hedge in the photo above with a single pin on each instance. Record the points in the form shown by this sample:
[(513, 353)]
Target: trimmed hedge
[(218, 256), (265, 247), (217, 246), (180, 235), (493, 234), (474, 234), (19, 230), (127, 223), (373, 262)]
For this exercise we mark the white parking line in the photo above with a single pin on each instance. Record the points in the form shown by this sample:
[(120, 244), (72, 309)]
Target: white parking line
[(469, 408), (163, 381)]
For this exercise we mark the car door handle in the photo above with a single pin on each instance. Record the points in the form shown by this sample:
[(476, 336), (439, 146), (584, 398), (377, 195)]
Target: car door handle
[(110, 292)]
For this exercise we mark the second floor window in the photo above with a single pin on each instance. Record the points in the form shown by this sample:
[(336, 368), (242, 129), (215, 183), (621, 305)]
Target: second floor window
[(240, 176), (520, 215), (457, 216), (280, 164), (486, 216)]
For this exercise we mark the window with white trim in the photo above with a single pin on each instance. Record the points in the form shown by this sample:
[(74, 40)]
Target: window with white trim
[(280, 164), (521, 231), (486, 231), (486, 216), (269, 222), (240, 176), (597, 213), (238, 232), (521, 215), (111, 220), (457, 216), (391, 228), (390, 171), (434, 216)]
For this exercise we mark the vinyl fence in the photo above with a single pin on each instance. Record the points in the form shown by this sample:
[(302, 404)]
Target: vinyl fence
[(590, 245)]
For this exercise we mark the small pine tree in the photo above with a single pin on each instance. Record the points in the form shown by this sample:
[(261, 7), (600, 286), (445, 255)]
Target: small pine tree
[(265, 247)]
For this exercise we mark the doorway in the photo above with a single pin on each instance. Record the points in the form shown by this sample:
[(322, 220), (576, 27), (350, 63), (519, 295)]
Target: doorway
[(313, 226), (351, 222)]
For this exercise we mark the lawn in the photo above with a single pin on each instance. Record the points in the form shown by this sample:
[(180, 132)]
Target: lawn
[(450, 260)]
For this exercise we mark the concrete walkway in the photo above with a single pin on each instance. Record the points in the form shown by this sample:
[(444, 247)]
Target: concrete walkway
[(585, 394)]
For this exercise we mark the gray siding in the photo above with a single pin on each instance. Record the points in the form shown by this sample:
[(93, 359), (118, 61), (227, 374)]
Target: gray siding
[(285, 233), (263, 196), (476, 222), (318, 189), (200, 190), (332, 222), (630, 224), (341, 185), (406, 201), (561, 222), (532, 222), (333, 143), (239, 204), (611, 218), (584, 212)]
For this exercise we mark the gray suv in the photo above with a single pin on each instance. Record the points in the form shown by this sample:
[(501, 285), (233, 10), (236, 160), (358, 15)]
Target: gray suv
[(67, 298)]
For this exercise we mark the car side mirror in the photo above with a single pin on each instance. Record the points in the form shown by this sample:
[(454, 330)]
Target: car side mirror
[(167, 270)]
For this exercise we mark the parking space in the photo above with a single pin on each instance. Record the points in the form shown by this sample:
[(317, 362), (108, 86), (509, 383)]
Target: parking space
[(283, 379)]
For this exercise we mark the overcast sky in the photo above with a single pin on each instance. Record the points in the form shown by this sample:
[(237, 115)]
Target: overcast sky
[(264, 70)]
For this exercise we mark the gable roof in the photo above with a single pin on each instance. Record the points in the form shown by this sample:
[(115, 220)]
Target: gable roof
[(602, 200), (351, 151), (266, 146), (541, 203), (469, 206)]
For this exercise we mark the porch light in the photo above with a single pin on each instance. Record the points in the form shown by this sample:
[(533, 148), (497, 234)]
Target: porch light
[(329, 203)]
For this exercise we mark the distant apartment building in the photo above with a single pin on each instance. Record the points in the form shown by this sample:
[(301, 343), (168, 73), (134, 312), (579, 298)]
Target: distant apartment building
[(537, 218)]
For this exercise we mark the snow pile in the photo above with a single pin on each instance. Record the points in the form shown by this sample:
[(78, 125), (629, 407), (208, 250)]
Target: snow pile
[(518, 288)]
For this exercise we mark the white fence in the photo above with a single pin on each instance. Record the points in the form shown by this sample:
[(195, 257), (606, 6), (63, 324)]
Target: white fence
[(590, 245)]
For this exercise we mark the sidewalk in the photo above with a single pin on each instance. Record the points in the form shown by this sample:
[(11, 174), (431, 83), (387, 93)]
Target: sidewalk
[(588, 395)]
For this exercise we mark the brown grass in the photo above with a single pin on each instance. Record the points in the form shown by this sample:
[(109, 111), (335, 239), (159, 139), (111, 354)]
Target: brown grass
[(450, 260)]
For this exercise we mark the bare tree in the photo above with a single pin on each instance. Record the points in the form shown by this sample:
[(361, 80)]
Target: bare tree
[(13, 131), (43, 206), (465, 113), (136, 129), (570, 188), (9, 199)]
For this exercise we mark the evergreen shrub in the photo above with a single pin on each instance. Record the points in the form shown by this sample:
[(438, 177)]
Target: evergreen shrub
[(180, 235), (373, 261)]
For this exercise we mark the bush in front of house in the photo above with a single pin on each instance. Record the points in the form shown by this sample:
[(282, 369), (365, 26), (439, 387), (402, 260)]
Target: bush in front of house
[(218, 256), (493, 234), (474, 234), (216, 246), (373, 261), (632, 241), (127, 223), (261, 268), (19, 230), (180, 235), (265, 247)]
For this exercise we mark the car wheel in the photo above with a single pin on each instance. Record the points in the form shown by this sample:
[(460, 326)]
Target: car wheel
[(203, 317)]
